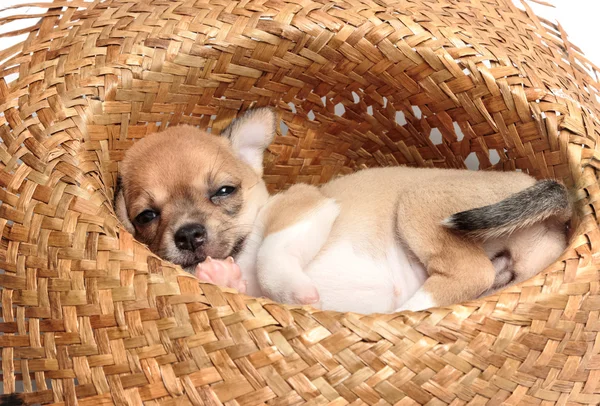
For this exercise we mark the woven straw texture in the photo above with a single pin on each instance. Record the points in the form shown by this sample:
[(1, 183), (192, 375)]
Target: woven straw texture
[(90, 317)]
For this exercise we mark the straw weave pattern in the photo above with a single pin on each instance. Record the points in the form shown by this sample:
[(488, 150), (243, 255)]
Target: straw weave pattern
[(91, 317)]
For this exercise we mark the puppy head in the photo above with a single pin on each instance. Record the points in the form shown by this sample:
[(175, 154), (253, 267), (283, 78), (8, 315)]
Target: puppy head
[(188, 194)]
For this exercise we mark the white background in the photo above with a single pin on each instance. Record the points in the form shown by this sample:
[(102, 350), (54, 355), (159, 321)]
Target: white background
[(581, 21)]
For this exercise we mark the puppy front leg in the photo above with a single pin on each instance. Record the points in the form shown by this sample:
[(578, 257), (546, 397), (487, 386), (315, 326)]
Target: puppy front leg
[(282, 278), (456, 275), (221, 272), (298, 226)]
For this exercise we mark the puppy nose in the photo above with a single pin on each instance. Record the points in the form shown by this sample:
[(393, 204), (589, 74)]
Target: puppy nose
[(190, 237)]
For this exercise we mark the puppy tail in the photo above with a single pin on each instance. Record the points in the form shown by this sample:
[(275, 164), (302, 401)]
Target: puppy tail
[(545, 199), (12, 399)]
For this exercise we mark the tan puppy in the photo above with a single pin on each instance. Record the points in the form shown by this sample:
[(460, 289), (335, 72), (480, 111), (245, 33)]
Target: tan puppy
[(375, 241), (188, 195)]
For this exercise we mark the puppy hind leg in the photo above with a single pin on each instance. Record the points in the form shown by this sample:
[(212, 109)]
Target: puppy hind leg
[(457, 269), (535, 248), (459, 274)]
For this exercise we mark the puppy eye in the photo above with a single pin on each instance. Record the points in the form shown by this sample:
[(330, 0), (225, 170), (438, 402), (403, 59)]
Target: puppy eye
[(146, 216), (223, 192)]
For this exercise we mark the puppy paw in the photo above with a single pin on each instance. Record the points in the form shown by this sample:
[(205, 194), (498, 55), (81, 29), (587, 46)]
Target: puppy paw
[(293, 288), (222, 273), (421, 300), (300, 290), (306, 295)]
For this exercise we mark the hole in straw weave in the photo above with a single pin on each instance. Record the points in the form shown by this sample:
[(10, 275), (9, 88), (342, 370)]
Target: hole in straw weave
[(293, 107), (355, 97), (311, 115), (11, 77), (435, 136), (472, 162), (494, 156), (400, 118), (211, 123), (459, 134), (370, 110), (339, 109), (35, 386), (283, 128), (417, 111)]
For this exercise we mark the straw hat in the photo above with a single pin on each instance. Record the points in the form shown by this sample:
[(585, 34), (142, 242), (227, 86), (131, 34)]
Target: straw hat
[(90, 317)]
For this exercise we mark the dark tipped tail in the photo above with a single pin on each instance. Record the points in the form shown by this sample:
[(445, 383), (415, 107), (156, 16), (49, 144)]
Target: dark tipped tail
[(12, 399), (545, 199)]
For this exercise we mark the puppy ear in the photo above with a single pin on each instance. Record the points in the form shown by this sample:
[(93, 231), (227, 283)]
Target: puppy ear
[(121, 208), (251, 134)]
